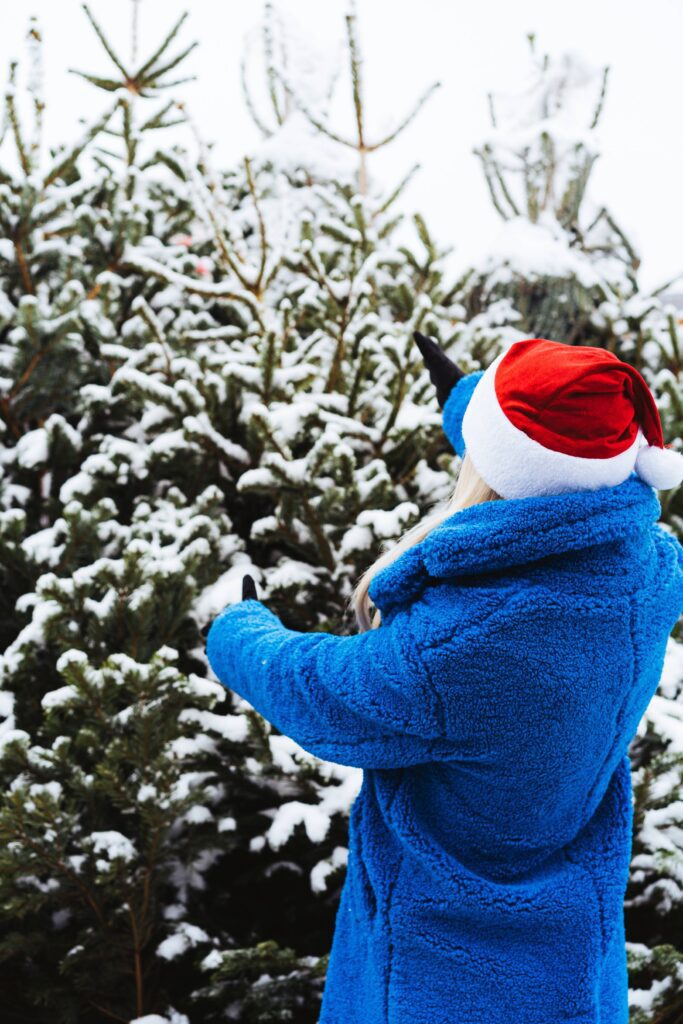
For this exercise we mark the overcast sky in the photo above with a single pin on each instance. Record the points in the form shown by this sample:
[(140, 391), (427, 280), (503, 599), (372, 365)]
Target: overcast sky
[(470, 47)]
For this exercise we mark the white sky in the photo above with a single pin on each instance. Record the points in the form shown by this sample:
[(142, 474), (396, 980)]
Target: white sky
[(470, 47)]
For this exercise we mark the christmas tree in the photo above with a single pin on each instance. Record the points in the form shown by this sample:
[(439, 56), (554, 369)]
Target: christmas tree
[(203, 373), (561, 267)]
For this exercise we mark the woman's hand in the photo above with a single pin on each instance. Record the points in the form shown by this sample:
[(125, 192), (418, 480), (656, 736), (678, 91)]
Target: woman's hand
[(444, 373), (248, 591)]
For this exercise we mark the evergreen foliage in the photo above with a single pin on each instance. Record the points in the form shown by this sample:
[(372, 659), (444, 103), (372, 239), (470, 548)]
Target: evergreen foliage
[(205, 373), (200, 369)]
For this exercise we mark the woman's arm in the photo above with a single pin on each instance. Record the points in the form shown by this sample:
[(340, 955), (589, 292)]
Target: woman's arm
[(359, 700)]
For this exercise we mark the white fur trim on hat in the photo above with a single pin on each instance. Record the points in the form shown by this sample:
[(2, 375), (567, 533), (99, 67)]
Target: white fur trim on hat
[(661, 468), (516, 466)]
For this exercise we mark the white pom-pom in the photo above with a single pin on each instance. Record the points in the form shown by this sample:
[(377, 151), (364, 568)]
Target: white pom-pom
[(661, 468)]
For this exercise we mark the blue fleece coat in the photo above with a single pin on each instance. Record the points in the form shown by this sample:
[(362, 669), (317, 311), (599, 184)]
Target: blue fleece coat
[(489, 845)]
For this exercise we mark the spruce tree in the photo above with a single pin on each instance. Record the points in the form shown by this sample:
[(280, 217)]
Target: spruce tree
[(204, 373)]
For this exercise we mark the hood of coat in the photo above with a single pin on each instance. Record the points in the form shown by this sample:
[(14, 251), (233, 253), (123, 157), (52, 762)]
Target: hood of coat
[(503, 534)]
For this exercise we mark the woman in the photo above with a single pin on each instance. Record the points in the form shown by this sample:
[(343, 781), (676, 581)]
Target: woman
[(522, 636)]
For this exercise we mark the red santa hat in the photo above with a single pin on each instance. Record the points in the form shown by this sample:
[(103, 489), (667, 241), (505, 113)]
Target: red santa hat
[(547, 418)]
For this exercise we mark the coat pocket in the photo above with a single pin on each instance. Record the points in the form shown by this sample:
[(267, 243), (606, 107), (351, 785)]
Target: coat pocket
[(603, 851), (363, 896), (476, 950)]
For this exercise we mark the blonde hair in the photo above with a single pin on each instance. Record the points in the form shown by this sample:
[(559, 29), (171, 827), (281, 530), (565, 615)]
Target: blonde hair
[(469, 489)]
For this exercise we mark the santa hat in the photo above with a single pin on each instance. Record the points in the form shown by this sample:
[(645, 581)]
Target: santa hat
[(547, 418)]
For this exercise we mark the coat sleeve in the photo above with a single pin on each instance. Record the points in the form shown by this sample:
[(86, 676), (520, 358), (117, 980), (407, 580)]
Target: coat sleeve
[(356, 700), (454, 409)]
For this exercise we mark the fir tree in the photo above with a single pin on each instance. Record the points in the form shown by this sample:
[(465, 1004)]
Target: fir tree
[(203, 373)]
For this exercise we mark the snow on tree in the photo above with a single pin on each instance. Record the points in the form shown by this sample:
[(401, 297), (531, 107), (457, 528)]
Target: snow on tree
[(561, 267), (203, 373)]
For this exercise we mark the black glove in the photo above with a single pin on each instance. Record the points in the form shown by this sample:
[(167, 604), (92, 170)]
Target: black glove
[(444, 373), (249, 588)]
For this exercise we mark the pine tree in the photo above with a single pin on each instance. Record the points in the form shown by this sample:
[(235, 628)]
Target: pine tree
[(204, 373)]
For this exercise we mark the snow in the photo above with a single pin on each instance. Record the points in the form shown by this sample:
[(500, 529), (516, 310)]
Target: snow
[(388, 523), (138, 599), (185, 937), (671, 682), (107, 604), (32, 633), (645, 999), (264, 526), (191, 876), (275, 470), (172, 1017), (316, 818), (225, 590), (324, 868), (356, 539), (153, 389), (58, 698), (537, 250), (8, 734), (185, 747), (71, 658), (655, 822), (231, 727), (411, 416), (200, 427), (41, 546), (41, 885), (283, 751), (434, 485), (113, 845), (52, 789), (187, 783), (295, 144), (211, 961), (32, 449), (198, 815), (289, 815), (204, 688), (6, 704), (287, 420), (136, 258), (292, 574), (667, 718)]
